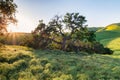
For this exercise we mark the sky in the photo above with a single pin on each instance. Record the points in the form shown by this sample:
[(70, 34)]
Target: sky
[(98, 13)]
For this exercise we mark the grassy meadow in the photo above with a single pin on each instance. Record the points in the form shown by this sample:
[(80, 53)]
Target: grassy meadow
[(61, 47), (23, 63)]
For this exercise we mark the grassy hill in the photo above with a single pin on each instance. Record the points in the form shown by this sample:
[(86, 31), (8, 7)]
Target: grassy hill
[(110, 36), (22, 63), (113, 43), (111, 27), (115, 26), (107, 34), (111, 31)]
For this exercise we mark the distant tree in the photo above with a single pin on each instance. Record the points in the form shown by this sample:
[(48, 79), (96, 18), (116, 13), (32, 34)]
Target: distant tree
[(7, 14)]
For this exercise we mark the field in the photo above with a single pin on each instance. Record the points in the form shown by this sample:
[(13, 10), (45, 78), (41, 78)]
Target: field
[(23, 63), (34, 45)]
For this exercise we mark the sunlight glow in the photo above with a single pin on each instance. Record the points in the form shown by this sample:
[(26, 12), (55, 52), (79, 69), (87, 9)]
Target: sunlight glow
[(24, 24), (12, 28)]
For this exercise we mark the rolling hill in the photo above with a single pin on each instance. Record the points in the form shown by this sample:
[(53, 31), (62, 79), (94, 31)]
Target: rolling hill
[(115, 26), (111, 27), (110, 36)]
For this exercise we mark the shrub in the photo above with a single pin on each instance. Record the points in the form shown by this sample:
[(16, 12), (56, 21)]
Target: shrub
[(108, 51), (27, 41), (90, 47), (99, 48), (35, 41)]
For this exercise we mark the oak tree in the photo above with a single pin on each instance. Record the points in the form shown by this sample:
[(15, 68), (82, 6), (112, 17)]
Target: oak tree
[(7, 14)]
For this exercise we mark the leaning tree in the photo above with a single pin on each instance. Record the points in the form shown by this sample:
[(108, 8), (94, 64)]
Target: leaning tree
[(65, 28), (69, 33)]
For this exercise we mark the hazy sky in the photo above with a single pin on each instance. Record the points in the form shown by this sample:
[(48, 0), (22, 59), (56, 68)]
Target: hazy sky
[(97, 12)]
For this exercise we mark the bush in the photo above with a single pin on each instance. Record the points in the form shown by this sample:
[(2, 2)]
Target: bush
[(99, 48), (35, 41), (27, 41), (90, 47), (108, 51)]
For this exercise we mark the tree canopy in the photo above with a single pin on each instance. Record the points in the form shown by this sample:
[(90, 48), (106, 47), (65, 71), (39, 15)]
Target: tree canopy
[(67, 33), (7, 14)]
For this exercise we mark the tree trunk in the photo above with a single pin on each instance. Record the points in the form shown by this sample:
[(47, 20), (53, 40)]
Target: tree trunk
[(64, 43)]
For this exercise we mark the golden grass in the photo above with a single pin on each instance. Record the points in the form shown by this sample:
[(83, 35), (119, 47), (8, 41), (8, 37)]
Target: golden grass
[(112, 27)]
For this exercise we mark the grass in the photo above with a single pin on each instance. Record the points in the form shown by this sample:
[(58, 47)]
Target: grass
[(113, 43), (101, 35), (111, 31), (115, 26), (111, 38), (23, 63), (111, 27)]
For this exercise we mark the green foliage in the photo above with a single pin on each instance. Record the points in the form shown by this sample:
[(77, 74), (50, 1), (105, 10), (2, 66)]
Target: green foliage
[(99, 48), (7, 7), (68, 33), (26, 41), (84, 35), (39, 37), (89, 47)]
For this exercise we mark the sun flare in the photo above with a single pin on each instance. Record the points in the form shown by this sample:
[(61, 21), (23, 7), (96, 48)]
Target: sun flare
[(12, 28), (24, 24)]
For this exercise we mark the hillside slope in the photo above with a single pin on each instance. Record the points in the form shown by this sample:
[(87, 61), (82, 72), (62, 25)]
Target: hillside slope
[(107, 34), (110, 31), (114, 26), (22, 63), (110, 36), (111, 27)]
